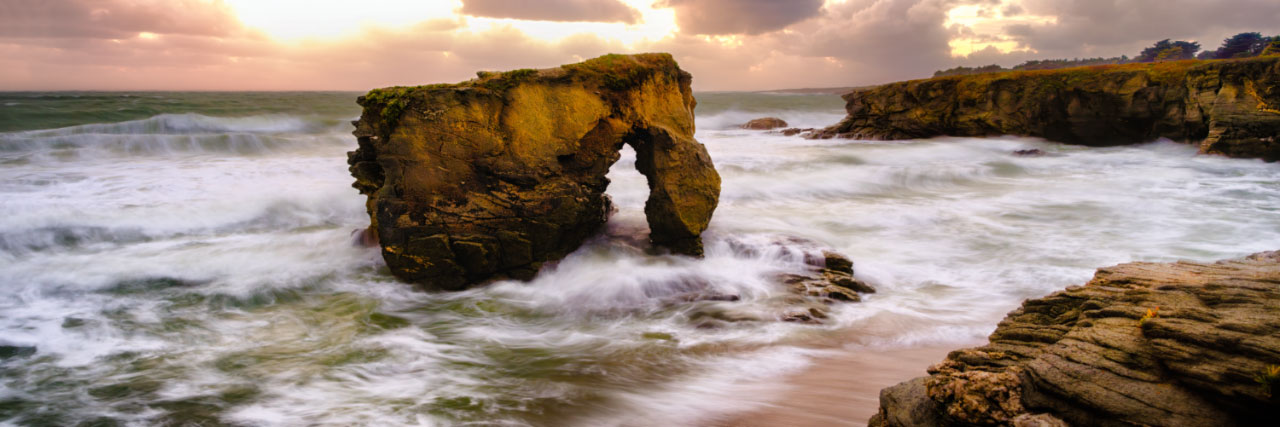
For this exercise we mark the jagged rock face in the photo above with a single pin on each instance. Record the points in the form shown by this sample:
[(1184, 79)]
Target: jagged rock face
[(491, 177), (1230, 107), (1182, 344)]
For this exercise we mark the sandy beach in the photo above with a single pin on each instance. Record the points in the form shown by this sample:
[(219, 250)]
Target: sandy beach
[(842, 389)]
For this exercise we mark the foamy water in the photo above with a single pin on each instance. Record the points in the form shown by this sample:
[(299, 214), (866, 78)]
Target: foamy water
[(194, 268)]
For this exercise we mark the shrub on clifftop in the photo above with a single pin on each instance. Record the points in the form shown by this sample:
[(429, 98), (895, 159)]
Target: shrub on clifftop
[(1243, 45), (1168, 51)]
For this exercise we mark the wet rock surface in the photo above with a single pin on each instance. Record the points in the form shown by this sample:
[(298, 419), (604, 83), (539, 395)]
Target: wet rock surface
[(827, 280), (1228, 107), (1179, 344), (796, 131), (765, 123), (1031, 152), (832, 280), (493, 177)]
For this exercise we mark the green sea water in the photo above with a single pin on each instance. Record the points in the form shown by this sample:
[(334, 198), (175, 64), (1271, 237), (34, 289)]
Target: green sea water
[(48, 110)]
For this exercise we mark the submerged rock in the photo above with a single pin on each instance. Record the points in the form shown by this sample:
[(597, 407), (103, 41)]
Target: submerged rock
[(1142, 343), (765, 123), (492, 177), (14, 351), (832, 281), (826, 278), (829, 276), (1228, 107), (798, 131)]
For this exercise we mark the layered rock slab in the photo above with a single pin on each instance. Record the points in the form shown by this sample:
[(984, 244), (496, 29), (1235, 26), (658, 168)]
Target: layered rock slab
[(492, 177), (1228, 107), (1181, 344)]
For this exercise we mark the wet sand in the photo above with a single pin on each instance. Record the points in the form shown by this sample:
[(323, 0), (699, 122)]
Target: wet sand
[(842, 389)]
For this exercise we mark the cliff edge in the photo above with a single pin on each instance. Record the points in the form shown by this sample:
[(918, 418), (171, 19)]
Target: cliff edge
[(492, 177), (1180, 344), (1229, 107)]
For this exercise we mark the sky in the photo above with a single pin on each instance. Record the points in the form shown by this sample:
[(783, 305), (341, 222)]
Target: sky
[(726, 44)]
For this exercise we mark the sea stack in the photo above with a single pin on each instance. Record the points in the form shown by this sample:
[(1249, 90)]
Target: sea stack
[(492, 177)]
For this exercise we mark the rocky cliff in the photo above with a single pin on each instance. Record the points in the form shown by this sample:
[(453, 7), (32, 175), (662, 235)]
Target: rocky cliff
[(491, 177), (1182, 344), (1229, 107)]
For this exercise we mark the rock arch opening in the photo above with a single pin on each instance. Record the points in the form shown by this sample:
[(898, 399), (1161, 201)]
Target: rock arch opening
[(627, 191)]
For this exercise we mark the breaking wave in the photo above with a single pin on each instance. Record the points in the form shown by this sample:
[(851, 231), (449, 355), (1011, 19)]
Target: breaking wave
[(178, 134)]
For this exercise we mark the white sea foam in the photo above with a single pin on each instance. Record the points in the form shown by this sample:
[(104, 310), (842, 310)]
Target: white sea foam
[(167, 135), (188, 123), (193, 278)]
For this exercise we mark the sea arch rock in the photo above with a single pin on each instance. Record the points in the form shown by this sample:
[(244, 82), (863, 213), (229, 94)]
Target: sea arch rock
[(492, 177)]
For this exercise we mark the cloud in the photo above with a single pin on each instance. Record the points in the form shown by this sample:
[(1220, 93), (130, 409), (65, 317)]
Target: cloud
[(880, 40), (719, 17), (553, 10), (95, 44), (1116, 27), (432, 52), (854, 43), (113, 19)]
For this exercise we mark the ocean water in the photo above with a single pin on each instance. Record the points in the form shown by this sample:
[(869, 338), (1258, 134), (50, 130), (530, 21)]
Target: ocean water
[(188, 258)]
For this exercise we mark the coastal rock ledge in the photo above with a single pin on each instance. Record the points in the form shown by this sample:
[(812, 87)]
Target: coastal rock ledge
[(1181, 344), (492, 177), (1229, 107)]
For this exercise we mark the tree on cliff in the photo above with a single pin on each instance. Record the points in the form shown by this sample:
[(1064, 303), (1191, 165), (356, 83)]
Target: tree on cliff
[(1053, 64), (961, 71), (1273, 48), (1241, 45), (1035, 64), (1171, 54), (1165, 50)]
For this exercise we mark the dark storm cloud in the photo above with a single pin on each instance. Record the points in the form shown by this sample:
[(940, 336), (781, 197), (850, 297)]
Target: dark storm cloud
[(1121, 26), (553, 10), (718, 17), (1019, 30), (112, 19), (883, 40)]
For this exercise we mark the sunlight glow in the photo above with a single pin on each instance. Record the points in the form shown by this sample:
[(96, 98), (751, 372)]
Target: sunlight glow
[(727, 41), (291, 20), (967, 46), (294, 20), (654, 24), (983, 26)]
